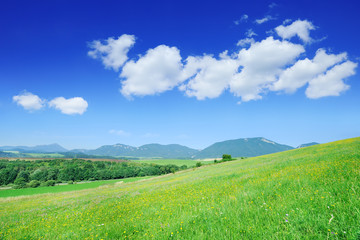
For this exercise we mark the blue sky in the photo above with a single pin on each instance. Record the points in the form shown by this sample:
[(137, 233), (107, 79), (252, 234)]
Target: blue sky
[(91, 73)]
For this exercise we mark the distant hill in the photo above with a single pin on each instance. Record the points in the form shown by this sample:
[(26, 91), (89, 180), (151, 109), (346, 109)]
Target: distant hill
[(167, 151), (307, 144), (51, 148), (148, 150), (244, 147)]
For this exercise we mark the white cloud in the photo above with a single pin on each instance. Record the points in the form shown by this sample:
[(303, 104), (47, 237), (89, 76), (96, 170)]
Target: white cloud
[(243, 18), (113, 52), (29, 101), (331, 83), (264, 19), (305, 70), (301, 28), (259, 67), (250, 33), (286, 21), (119, 132), (261, 64), (158, 71), (208, 76), (245, 42), (76, 105)]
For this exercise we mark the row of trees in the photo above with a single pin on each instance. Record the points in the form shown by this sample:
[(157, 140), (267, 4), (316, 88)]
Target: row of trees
[(47, 172)]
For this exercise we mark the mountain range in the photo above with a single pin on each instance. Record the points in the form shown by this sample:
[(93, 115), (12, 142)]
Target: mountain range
[(243, 147), (50, 148)]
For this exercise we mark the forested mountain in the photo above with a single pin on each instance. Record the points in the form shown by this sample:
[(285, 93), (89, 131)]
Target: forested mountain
[(243, 147)]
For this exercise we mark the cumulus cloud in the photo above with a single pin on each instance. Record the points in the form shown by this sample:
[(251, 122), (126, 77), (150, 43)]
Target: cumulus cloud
[(264, 19), (301, 28), (331, 83), (113, 53), (305, 70), (208, 76), (272, 64), (29, 101), (76, 105), (156, 72), (261, 64), (245, 42)]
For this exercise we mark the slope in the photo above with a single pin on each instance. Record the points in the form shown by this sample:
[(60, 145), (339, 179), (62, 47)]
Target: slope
[(307, 193)]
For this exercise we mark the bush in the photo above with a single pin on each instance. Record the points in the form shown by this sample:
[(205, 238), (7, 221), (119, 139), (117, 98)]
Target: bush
[(70, 182), (198, 164), (183, 167), (226, 157), (34, 183), (50, 183)]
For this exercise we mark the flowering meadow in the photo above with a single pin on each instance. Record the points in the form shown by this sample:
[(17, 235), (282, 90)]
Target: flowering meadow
[(307, 193)]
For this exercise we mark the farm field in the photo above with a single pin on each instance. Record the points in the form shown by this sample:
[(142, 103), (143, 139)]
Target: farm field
[(307, 193), (64, 188), (177, 162)]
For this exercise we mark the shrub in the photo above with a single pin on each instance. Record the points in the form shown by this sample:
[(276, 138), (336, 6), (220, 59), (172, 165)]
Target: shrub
[(50, 183), (226, 157), (198, 164), (34, 183), (183, 167), (70, 182)]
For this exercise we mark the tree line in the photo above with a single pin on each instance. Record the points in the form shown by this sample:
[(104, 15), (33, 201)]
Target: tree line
[(23, 173)]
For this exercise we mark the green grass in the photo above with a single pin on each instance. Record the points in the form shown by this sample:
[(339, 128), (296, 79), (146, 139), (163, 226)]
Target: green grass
[(178, 162), (44, 155), (308, 193), (63, 188)]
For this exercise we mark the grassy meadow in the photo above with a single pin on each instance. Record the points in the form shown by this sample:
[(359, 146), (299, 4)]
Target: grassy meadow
[(308, 193)]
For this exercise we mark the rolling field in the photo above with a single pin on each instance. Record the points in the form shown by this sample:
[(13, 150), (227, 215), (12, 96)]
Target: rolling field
[(308, 193)]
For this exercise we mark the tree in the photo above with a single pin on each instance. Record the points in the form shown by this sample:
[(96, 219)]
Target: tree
[(226, 157)]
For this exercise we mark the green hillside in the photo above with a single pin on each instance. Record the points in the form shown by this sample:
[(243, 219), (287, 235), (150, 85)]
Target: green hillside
[(243, 147), (306, 193)]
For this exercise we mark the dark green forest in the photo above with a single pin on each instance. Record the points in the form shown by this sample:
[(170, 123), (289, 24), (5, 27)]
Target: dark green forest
[(36, 173)]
